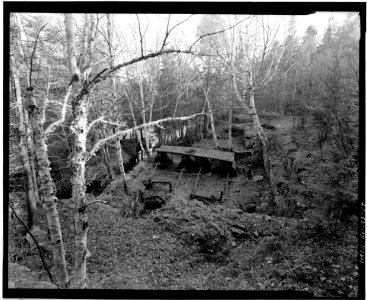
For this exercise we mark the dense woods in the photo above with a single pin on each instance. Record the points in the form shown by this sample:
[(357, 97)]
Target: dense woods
[(93, 96)]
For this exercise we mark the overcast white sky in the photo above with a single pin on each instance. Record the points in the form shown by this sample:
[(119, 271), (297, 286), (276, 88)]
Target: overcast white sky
[(154, 27), (188, 29), (156, 24), (319, 20)]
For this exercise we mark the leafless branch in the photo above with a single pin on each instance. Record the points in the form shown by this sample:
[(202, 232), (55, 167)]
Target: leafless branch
[(53, 125), (179, 23), (141, 36), (33, 52), (216, 32), (114, 123), (167, 33), (91, 124), (186, 86), (45, 102), (129, 131), (108, 72), (101, 119)]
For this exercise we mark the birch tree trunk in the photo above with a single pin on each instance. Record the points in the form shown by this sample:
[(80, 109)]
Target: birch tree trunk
[(108, 161), (25, 145), (153, 92), (32, 161), (143, 114), (48, 192), (215, 139), (105, 152), (32, 184), (106, 158), (119, 155), (131, 108), (263, 138), (230, 113), (153, 96), (70, 46), (117, 141), (255, 118), (114, 93), (79, 129), (253, 113), (27, 172)]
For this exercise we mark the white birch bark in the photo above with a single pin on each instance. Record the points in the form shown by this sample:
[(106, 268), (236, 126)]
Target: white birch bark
[(70, 45), (48, 192), (79, 129), (254, 116)]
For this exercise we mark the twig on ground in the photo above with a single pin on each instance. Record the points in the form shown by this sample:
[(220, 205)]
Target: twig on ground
[(286, 261), (293, 268)]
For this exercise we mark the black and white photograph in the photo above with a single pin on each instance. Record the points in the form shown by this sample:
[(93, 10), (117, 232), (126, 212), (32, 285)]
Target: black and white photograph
[(158, 151)]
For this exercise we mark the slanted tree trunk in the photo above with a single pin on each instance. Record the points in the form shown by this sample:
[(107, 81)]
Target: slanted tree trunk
[(215, 139), (27, 172), (263, 138), (238, 95), (17, 56), (254, 116), (48, 192), (28, 184), (32, 161), (32, 184)]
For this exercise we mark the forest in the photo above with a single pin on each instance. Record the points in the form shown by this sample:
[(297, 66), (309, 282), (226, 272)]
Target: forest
[(184, 152)]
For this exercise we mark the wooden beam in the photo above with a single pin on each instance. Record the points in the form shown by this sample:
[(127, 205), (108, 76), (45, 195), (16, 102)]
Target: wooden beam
[(198, 152)]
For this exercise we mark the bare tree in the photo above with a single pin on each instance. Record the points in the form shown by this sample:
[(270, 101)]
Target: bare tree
[(111, 50), (83, 83), (18, 62), (210, 111), (28, 183), (47, 187), (143, 109)]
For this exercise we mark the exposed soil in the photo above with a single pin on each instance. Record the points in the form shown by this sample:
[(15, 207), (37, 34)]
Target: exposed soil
[(188, 244)]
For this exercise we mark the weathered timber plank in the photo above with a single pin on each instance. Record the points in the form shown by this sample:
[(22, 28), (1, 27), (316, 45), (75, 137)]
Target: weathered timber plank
[(199, 152)]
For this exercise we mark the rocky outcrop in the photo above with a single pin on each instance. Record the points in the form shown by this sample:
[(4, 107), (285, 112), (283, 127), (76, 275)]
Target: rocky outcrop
[(214, 230)]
